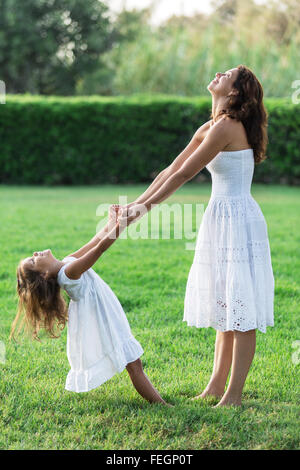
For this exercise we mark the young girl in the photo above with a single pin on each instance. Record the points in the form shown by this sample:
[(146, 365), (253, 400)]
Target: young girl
[(99, 340)]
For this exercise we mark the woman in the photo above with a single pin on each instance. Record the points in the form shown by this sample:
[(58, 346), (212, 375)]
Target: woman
[(231, 283)]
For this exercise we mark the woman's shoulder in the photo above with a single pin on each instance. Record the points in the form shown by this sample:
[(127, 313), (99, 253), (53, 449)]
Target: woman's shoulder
[(201, 132), (237, 133), (222, 127), (230, 123), (234, 131)]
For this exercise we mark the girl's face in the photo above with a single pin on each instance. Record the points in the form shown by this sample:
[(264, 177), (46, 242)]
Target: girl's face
[(223, 82), (40, 261)]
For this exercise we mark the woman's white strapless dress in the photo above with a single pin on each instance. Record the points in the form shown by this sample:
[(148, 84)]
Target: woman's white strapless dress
[(231, 284)]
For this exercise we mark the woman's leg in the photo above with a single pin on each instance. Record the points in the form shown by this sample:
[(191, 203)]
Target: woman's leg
[(244, 344), (222, 363), (141, 382)]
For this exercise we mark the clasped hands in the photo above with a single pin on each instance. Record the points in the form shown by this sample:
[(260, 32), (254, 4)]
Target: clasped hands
[(126, 215)]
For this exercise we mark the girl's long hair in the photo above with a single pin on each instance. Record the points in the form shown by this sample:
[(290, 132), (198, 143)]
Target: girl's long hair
[(41, 304), (248, 107)]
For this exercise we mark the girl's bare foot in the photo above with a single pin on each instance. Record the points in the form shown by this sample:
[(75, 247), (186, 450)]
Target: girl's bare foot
[(163, 402), (142, 384)]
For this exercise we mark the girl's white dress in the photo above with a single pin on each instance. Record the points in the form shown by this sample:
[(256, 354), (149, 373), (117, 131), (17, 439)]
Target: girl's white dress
[(99, 339), (231, 283)]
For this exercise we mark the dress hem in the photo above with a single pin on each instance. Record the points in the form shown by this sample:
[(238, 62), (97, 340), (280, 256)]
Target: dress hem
[(84, 380), (211, 325)]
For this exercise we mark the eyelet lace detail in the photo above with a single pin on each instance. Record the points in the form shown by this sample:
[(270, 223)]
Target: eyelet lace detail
[(231, 284)]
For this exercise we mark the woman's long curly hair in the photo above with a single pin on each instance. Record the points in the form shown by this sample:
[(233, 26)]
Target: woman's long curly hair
[(41, 304), (247, 106)]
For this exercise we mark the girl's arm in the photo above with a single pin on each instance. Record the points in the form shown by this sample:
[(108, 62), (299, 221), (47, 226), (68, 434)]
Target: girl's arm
[(196, 140), (82, 264), (217, 139), (113, 212)]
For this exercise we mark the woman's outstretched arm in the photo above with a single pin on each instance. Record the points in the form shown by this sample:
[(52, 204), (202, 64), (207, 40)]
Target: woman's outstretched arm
[(196, 140), (220, 135)]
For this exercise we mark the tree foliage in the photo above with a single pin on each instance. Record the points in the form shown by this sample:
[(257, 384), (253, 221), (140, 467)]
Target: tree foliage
[(46, 45), (80, 47)]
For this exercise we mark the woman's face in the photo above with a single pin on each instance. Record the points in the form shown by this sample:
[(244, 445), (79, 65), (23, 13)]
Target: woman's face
[(40, 261), (222, 84)]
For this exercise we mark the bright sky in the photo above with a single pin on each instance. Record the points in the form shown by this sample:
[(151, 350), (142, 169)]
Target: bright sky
[(163, 8)]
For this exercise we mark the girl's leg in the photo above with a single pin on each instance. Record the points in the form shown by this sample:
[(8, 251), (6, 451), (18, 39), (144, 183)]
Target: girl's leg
[(222, 363), (141, 382), (243, 352)]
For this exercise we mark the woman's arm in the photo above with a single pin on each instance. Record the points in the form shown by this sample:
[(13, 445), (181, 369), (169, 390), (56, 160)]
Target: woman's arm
[(113, 213), (82, 264), (216, 140), (196, 140)]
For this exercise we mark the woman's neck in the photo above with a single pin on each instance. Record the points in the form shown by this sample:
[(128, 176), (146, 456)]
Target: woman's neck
[(218, 103)]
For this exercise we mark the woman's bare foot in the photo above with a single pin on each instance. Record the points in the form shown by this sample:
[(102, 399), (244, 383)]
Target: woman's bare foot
[(210, 392), (229, 401)]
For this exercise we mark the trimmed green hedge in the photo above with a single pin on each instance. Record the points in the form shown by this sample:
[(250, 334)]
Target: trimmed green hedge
[(91, 140)]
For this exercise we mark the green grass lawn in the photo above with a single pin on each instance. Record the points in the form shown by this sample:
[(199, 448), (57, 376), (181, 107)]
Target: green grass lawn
[(149, 277)]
